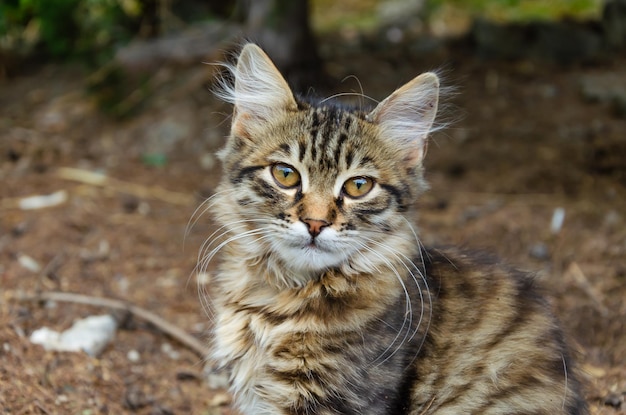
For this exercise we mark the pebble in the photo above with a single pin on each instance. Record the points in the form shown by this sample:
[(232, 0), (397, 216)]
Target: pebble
[(28, 262), (61, 399), (43, 201), (539, 251), (612, 218), (558, 217), (90, 335), (606, 87), (133, 356), (169, 351)]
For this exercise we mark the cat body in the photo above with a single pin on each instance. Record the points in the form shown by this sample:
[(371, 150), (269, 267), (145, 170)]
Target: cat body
[(325, 302)]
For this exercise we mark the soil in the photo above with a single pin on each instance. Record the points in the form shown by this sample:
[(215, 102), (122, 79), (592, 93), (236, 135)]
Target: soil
[(523, 142)]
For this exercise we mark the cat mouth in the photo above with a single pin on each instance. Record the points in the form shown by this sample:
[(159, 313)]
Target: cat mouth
[(314, 246)]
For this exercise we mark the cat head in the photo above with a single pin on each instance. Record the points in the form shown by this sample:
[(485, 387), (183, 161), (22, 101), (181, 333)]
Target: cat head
[(308, 187)]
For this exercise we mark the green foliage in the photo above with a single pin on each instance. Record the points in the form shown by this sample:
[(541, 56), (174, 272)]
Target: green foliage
[(65, 28), (523, 10)]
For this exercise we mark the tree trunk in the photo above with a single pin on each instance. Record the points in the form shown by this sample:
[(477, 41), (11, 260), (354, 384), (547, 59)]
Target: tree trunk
[(281, 28)]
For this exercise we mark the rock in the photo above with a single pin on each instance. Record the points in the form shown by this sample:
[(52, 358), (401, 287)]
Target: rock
[(556, 223), (560, 42), (566, 42), (90, 335), (29, 263), (540, 251), (395, 11), (603, 87), (196, 44), (133, 356), (167, 349), (606, 88), (43, 201), (135, 398)]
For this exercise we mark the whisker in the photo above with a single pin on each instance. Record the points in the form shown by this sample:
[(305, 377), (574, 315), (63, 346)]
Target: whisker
[(356, 78), (408, 306), (201, 210), (350, 94), (206, 255), (412, 270), (423, 279), (212, 237)]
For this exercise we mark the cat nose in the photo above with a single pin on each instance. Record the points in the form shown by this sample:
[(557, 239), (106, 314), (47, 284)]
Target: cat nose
[(315, 225)]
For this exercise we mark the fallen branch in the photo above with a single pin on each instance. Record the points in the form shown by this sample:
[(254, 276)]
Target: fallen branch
[(583, 283), (138, 190), (164, 326)]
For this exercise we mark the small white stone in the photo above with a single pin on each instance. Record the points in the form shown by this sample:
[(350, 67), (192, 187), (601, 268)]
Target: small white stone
[(28, 263), (43, 201), (558, 217), (61, 399), (133, 356), (169, 351), (90, 335)]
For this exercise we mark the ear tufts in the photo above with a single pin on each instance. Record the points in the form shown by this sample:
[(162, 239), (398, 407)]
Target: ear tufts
[(407, 115), (259, 89)]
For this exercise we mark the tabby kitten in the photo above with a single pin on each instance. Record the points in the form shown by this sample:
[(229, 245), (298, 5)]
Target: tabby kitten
[(325, 301)]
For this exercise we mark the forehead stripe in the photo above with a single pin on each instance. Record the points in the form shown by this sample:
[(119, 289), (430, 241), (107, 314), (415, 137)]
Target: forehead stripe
[(340, 145), (244, 173)]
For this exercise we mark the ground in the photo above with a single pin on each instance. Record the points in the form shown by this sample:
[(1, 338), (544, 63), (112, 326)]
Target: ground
[(524, 143)]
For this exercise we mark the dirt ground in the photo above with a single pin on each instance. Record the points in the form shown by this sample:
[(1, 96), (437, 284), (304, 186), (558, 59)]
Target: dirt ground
[(524, 142)]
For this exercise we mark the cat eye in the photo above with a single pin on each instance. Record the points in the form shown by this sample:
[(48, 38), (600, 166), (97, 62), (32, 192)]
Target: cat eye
[(285, 176), (357, 187)]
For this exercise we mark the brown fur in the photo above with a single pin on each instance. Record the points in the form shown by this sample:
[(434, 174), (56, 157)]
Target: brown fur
[(356, 318)]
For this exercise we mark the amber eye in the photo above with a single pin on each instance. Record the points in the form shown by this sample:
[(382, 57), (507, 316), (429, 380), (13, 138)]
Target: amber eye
[(358, 186), (285, 176)]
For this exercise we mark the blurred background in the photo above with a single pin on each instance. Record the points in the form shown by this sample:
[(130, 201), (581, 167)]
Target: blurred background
[(108, 130)]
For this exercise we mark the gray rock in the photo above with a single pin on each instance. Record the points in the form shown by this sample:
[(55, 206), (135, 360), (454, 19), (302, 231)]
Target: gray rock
[(193, 45), (539, 251), (606, 88), (560, 42)]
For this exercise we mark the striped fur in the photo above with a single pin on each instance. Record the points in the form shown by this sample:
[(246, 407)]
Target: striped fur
[(326, 303)]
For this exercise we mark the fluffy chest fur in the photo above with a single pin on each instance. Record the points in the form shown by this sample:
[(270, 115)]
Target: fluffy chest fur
[(338, 342), (478, 340)]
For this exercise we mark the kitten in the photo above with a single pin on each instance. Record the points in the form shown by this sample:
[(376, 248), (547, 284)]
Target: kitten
[(325, 301)]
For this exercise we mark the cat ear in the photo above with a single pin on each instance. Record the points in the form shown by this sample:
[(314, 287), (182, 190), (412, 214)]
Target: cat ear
[(260, 90), (407, 115)]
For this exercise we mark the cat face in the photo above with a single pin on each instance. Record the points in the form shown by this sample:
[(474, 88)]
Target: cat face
[(317, 195), (317, 186)]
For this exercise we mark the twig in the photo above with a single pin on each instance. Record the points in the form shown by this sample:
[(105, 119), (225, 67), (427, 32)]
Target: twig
[(101, 180), (582, 281), (40, 407), (166, 327)]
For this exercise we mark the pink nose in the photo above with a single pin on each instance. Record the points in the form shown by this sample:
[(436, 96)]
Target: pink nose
[(315, 225)]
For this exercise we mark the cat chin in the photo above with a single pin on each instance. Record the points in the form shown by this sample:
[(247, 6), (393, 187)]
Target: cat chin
[(311, 259)]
